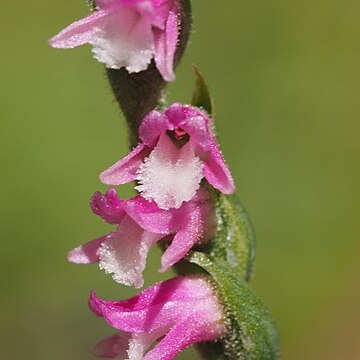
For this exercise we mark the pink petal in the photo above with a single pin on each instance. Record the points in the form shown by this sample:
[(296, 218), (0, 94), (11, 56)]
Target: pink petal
[(109, 206), (80, 32), (157, 307), (194, 121), (170, 176), (149, 216), (155, 10), (166, 43), (124, 171), (161, 13), (216, 171), (113, 346), (154, 124), (124, 253), (191, 329), (187, 236), (87, 253)]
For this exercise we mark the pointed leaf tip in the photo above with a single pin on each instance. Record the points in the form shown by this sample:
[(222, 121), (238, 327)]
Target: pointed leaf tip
[(201, 96)]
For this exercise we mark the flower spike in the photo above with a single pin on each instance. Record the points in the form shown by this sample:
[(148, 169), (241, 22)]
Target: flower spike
[(175, 157)]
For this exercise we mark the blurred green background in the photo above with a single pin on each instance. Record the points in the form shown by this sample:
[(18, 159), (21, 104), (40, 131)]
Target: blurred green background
[(286, 79)]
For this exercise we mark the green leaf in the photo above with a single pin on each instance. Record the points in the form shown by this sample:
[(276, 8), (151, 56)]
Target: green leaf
[(252, 334), (235, 239), (201, 96), (139, 93)]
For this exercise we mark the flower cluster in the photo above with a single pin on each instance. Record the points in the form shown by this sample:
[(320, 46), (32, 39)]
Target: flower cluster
[(177, 154), (177, 150)]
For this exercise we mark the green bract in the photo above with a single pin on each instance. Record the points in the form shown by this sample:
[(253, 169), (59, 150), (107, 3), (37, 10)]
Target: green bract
[(252, 334)]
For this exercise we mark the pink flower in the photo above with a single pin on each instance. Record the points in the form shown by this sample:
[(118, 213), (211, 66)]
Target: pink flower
[(141, 224), (178, 312), (128, 33), (178, 149)]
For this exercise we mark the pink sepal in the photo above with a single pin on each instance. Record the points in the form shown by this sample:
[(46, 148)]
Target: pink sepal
[(166, 43), (124, 171), (217, 172), (152, 126), (87, 253), (80, 32), (194, 121), (190, 229), (149, 216), (189, 330), (109, 206)]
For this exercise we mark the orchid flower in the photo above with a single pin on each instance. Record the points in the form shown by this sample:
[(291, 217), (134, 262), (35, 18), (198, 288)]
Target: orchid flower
[(128, 33), (181, 312), (141, 224), (177, 149)]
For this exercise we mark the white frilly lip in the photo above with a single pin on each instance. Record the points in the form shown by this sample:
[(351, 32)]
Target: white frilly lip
[(170, 176), (123, 254), (125, 39)]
